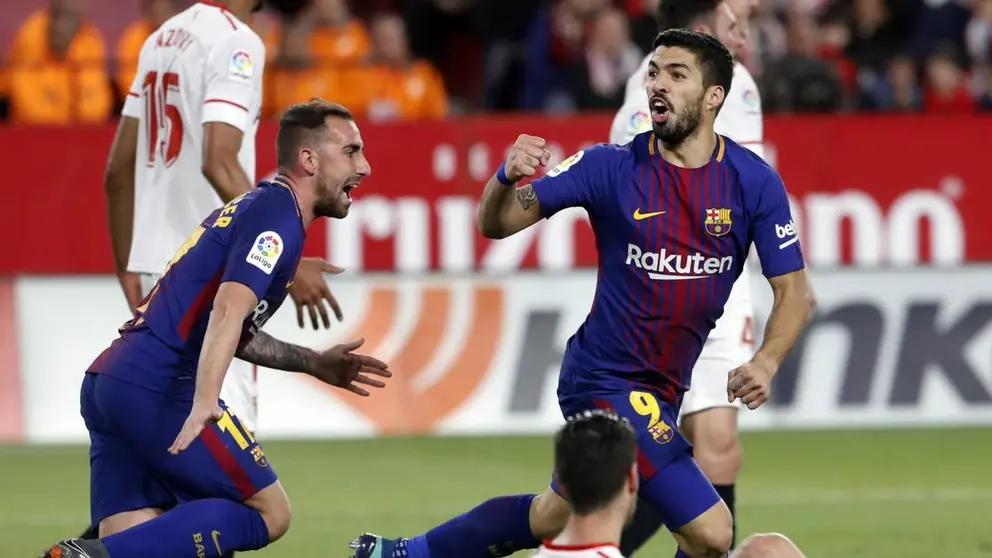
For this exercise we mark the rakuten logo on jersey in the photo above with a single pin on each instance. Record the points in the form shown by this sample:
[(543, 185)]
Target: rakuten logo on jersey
[(665, 266)]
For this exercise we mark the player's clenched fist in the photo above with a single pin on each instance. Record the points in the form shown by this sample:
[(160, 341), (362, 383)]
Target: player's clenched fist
[(750, 383), (527, 154)]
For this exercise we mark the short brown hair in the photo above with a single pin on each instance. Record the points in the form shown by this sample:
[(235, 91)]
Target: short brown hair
[(301, 122)]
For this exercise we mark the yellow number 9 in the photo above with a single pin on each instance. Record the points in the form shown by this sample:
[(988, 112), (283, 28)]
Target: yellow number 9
[(646, 405)]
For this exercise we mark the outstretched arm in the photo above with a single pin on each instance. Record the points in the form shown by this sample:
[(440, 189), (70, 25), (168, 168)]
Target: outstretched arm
[(265, 350)]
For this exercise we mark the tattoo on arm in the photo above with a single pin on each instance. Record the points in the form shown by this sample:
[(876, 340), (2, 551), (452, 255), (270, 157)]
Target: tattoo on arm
[(265, 350), (527, 197)]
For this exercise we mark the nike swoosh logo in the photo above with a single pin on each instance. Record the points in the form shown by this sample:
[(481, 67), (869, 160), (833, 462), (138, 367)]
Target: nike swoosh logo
[(215, 535), (638, 216)]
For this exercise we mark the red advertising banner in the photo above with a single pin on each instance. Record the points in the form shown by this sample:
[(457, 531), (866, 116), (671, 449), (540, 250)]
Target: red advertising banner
[(866, 191)]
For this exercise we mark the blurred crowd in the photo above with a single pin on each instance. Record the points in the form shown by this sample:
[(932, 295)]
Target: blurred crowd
[(406, 60)]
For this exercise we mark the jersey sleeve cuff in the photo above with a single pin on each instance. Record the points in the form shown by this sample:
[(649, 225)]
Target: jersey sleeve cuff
[(132, 105), (228, 112), (545, 200), (771, 273)]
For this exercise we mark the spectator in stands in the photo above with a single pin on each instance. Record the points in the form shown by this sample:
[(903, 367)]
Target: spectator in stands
[(898, 91), (978, 40), (156, 12), (801, 82), (946, 90), (396, 86), (554, 42), (338, 38), (56, 71), (600, 77), (643, 25), (294, 76)]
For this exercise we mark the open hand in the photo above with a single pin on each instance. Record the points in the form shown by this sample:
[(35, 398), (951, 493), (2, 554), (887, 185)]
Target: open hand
[(199, 418), (340, 367), (310, 291), (750, 383)]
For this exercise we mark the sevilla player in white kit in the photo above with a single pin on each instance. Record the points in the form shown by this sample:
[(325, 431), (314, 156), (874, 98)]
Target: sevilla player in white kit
[(708, 419), (187, 137), (596, 465)]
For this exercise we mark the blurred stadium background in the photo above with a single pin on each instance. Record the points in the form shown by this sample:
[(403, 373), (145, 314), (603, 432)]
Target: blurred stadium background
[(877, 442)]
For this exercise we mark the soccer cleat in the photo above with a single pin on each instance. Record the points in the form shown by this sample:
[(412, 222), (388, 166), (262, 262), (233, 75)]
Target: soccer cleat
[(77, 548), (373, 546)]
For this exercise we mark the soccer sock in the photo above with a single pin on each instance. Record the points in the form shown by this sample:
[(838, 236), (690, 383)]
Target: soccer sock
[(198, 529), (498, 527), (645, 524), (726, 492)]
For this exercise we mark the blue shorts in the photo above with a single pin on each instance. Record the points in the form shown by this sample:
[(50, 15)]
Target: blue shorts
[(131, 429), (671, 482)]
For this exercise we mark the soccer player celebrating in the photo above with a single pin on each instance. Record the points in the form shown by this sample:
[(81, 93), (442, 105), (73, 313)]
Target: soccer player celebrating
[(161, 438), (596, 465), (707, 419), (184, 146), (675, 213)]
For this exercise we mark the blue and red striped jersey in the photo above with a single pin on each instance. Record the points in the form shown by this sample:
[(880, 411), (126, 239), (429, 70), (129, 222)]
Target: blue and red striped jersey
[(255, 239), (671, 241)]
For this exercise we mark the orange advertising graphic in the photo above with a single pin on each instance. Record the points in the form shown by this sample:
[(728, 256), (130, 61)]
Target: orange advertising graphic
[(410, 405)]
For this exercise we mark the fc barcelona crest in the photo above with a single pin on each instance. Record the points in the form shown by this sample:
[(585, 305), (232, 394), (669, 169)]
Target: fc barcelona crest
[(661, 432), (717, 221)]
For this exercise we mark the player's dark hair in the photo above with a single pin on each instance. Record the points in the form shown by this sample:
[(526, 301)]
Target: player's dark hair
[(594, 452), (301, 122), (715, 61), (686, 14)]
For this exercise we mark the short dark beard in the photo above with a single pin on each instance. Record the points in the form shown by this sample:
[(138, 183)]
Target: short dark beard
[(673, 133)]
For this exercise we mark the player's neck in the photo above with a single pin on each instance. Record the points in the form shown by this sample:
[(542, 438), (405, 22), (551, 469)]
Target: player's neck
[(304, 197), (598, 528), (240, 9), (693, 152)]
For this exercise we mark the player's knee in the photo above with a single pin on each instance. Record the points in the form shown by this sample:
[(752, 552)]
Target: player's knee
[(715, 537), (274, 507), (767, 545), (719, 454), (549, 513)]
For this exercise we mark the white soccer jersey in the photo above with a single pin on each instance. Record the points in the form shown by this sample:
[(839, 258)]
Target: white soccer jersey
[(203, 65), (740, 119), (551, 550)]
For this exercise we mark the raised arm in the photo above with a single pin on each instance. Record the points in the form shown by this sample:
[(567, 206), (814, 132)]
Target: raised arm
[(506, 209)]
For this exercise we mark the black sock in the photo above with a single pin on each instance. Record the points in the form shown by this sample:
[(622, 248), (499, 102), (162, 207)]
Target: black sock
[(90, 533), (644, 525), (726, 492)]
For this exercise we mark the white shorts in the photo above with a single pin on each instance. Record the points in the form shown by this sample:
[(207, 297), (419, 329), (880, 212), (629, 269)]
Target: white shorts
[(730, 344), (240, 388)]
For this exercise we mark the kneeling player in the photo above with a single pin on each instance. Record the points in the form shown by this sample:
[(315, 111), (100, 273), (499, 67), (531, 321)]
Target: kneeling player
[(596, 465), (163, 375)]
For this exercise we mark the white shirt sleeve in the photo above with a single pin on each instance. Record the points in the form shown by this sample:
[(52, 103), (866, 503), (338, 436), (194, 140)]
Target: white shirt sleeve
[(633, 117), (134, 104), (630, 120), (741, 119), (233, 77)]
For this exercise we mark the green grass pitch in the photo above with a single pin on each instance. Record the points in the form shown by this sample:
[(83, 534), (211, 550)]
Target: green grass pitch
[(879, 494)]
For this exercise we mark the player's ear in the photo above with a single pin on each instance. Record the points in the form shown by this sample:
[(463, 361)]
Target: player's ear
[(308, 161), (633, 481), (714, 97)]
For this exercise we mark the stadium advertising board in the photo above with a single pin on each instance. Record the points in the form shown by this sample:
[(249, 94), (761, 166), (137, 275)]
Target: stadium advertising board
[(867, 191), (480, 356)]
